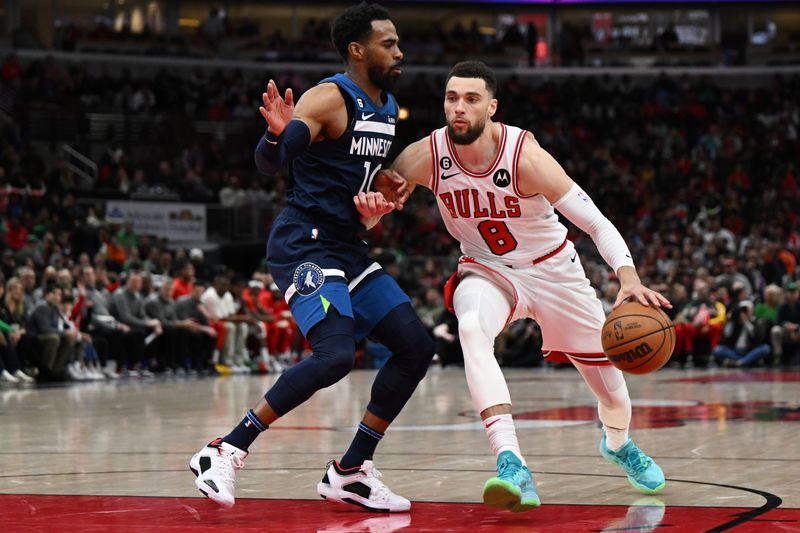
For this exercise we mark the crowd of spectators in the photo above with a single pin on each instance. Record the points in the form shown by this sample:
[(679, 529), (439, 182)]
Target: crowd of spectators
[(221, 36), (701, 180)]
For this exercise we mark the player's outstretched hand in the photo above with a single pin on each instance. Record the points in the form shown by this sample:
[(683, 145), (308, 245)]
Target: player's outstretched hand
[(643, 295), (372, 206), (393, 187), (276, 111)]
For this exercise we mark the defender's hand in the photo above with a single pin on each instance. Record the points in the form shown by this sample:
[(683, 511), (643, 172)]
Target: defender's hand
[(276, 111)]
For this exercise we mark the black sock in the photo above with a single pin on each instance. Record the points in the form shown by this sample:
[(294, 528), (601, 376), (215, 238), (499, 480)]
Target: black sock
[(362, 448), (246, 432)]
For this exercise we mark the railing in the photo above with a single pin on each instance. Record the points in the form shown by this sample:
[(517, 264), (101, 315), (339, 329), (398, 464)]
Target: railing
[(143, 63), (81, 165)]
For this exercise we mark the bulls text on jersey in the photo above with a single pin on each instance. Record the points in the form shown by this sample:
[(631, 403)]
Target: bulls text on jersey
[(471, 203)]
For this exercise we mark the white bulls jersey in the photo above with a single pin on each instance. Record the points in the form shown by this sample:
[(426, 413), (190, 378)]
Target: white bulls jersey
[(485, 210)]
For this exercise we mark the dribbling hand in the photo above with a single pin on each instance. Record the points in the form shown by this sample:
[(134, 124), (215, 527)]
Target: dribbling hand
[(276, 111)]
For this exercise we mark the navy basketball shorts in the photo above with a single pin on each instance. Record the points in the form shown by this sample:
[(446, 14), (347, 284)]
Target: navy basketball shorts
[(316, 270)]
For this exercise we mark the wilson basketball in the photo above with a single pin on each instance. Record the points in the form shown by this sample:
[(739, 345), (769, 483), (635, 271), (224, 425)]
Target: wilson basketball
[(638, 339)]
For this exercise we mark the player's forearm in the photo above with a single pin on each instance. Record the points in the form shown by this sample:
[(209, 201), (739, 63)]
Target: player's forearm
[(274, 151), (581, 211)]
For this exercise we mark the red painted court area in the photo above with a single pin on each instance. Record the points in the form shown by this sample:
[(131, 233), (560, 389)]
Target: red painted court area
[(30, 513)]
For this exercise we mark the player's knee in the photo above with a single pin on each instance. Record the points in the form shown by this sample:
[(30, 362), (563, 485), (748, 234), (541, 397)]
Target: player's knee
[(412, 346), (337, 356), (470, 331), (420, 347)]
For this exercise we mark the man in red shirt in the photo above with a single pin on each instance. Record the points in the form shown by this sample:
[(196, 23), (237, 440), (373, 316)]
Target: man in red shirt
[(184, 283)]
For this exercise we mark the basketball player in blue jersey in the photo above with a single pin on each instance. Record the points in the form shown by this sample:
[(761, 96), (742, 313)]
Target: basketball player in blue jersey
[(334, 142)]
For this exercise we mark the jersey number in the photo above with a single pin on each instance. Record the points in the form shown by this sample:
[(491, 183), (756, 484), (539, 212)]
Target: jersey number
[(368, 176), (497, 236)]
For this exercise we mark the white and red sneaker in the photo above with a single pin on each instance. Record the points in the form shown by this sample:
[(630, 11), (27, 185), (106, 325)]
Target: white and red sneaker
[(215, 467), (360, 486)]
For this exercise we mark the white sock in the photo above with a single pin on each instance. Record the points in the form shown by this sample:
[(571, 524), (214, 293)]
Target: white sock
[(502, 435), (615, 438)]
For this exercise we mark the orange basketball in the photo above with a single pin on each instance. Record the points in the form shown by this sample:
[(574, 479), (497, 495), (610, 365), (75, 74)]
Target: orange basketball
[(637, 338)]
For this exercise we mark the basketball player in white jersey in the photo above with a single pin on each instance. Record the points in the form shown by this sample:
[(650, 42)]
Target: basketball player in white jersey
[(497, 189)]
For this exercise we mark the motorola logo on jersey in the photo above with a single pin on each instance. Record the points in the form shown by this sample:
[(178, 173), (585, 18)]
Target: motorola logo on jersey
[(308, 278), (502, 178), (445, 163)]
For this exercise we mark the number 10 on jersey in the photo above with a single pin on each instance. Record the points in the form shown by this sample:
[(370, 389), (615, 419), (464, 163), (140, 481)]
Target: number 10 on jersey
[(368, 176)]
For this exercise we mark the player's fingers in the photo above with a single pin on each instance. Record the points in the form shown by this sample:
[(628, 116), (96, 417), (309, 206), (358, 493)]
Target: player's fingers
[(263, 112), (640, 296), (289, 97), (652, 297), (664, 300), (371, 202)]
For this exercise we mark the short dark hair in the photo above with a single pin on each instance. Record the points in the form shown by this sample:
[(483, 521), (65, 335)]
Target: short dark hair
[(475, 69), (354, 24), (51, 287)]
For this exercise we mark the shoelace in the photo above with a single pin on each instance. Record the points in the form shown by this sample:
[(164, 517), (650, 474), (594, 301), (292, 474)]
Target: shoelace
[(382, 492), (637, 461), (229, 467)]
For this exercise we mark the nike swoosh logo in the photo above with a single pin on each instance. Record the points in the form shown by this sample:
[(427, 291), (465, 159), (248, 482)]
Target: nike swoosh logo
[(448, 176), (493, 422), (573, 258), (366, 116)]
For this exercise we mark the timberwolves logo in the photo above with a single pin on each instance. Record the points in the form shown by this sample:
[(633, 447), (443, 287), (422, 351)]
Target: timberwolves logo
[(445, 163), (502, 178), (308, 278)]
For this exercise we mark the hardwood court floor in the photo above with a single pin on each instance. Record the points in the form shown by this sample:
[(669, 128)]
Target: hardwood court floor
[(83, 456)]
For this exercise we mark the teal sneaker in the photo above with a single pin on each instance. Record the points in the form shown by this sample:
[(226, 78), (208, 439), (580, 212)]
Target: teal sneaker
[(513, 488), (643, 472)]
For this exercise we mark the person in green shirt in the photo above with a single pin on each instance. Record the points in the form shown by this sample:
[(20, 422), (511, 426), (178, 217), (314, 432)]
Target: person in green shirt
[(768, 309), (127, 237)]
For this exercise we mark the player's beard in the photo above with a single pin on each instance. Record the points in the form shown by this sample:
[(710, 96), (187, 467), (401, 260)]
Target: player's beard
[(469, 136), (384, 79)]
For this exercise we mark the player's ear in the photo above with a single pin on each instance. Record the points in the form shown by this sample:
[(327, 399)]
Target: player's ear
[(492, 107), (356, 50)]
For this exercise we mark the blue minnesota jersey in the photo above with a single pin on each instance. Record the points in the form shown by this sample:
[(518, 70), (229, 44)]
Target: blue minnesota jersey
[(329, 173)]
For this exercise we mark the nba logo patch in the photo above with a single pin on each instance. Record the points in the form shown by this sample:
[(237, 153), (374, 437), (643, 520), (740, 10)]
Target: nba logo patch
[(315, 234), (308, 278)]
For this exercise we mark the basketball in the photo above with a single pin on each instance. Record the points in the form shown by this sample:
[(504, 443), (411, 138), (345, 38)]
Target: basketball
[(638, 339)]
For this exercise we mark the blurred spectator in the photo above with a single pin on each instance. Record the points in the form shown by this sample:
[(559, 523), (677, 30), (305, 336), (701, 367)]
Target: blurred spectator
[(127, 307), (184, 282), (739, 345), (54, 342), (231, 330), (610, 292), (786, 333), (189, 307)]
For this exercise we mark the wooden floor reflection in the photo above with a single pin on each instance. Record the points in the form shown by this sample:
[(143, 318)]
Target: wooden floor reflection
[(728, 441)]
